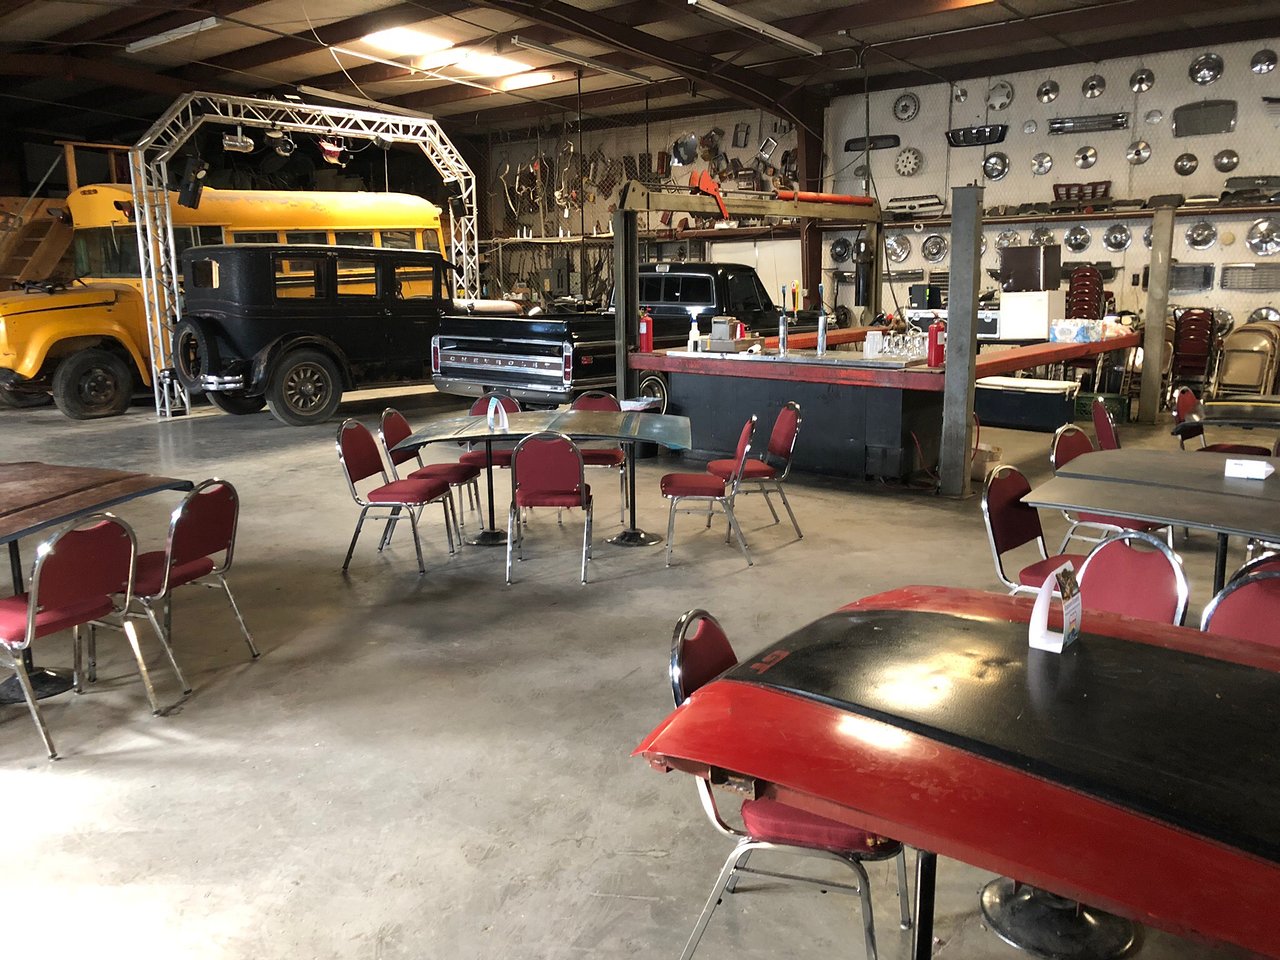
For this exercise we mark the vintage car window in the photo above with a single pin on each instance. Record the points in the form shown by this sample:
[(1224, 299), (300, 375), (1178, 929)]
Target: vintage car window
[(744, 294), (399, 239), (299, 278), (357, 277), (689, 289), (204, 274), (353, 238), (255, 236), (651, 288), (306, 236), (414, 281)]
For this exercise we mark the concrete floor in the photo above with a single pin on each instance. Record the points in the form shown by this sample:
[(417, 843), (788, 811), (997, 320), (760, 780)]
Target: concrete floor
[(439, 766)]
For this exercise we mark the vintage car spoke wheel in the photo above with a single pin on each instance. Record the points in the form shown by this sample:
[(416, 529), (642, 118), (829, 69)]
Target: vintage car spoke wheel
[(91, 384), (305, 388), (653, 385), (192, 355), (236, 403)]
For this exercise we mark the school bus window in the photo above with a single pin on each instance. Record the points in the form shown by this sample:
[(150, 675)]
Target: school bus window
[(208, 235), (357, 278), (106, 252), (204, 274), (399, 239), (255, 236), (298, 278), (430, 240), (415, 282), (306, 236), (353, 238)]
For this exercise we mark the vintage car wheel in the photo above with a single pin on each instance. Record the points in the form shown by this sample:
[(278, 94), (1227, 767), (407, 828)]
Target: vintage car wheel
[(305, 388), (653, 385), (24, 401), (92, 384), (191, 354), (236, 404)]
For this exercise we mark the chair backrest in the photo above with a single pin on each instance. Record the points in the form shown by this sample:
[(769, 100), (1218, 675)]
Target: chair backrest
[(547, 463), (743, 450), (204, 524), (1105, 427), (700, 652), (481, 406), (782, 440), (1185, 402), (1069, 442), (596, 400), (392, 429), (82, 565), (1266, 562), (358, 453), (1247, 608), (1010, 522), (1147, 584)]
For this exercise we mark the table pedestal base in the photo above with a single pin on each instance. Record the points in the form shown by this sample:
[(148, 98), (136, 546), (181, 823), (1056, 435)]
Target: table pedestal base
[(635, 538), (1046, 925), (44, 683), (489, 538)]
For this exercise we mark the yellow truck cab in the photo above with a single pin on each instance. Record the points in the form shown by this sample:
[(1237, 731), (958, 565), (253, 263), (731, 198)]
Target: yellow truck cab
[(85, 341)]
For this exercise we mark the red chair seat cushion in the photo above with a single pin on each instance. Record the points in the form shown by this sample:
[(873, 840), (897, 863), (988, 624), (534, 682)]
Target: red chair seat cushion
[(1033, 575), (408, 491), (753, 469), (550, 498), (608, 457), (13, 617), (776, 822), (148, 573), (451, 473), (476, 458), (692, 485), (1122, 522), (1243, 449)]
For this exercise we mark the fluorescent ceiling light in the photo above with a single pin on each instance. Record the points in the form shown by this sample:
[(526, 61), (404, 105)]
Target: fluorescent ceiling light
[(730, 15), (489, 65), (405, 41), (591, 62), (168, 36), (537, 78)]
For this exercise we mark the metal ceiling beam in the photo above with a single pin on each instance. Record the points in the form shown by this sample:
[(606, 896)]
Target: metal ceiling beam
[(103, 72), (140, 19), (13, 6)]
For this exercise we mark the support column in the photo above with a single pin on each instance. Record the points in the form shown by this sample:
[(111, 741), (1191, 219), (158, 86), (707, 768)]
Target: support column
[(809, 140), (962, 342), (626, 298), (1157, 307)]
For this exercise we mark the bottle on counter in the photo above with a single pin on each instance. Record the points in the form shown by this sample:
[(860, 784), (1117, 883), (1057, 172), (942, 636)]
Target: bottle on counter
[(822, 322), (694, 335)]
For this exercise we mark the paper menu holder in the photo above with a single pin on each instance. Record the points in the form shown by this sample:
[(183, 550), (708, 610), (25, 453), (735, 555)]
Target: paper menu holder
[(1061, 581), (1249, 469), (498, 416)]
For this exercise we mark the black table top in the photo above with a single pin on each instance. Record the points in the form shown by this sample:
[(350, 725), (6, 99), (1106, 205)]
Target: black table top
[(1174, 470), (665, 429), (1183, 738), (1261, 412)]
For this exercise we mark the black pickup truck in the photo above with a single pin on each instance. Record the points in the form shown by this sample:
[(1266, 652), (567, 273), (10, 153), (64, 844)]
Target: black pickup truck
[(291, 326)]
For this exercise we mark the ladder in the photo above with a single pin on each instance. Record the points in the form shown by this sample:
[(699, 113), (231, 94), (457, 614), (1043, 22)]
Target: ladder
[(34, 238)]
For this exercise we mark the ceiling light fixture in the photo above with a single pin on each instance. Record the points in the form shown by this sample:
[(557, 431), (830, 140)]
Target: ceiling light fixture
[(591, 62), (489, 64), (168, 36), (405, 41), (730, 15), (538, 78)]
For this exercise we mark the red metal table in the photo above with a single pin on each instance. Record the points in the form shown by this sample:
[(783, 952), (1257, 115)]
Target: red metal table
[(1111, 774), (35, 497)]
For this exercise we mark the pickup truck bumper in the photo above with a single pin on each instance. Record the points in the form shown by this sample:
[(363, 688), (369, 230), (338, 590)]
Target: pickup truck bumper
[(526, 394)]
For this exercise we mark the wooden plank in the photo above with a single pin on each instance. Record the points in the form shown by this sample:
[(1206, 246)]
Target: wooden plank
[(1040, 354), (913, 379)]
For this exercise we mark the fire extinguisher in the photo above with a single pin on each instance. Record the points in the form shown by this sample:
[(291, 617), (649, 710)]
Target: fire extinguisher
[(646, 332), (937, 343)]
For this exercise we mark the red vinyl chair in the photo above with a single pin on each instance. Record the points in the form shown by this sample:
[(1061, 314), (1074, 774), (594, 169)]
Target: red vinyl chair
[(547, 471), (1147, 584), (501, 454), (392, 429), (82, 575), (612, 457), (1012, 524), (359, 457), (1184, 404), (711, 490), (201, 528), (1069, 442), (700, 652), (1104, 426), (1248, 607), (762, 474)]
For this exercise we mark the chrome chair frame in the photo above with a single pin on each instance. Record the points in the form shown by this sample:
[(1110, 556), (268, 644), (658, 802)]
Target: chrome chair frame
[(1238, 581), (622, 467), (516, 528), (777, 481), (725, 502), (1180, 575), (1252, 564), (472, 486), (735, 864), (14, 651), (415, 511), (1014, 588)]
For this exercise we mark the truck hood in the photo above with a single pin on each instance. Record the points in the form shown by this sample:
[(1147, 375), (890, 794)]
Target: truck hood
[(16, 302)]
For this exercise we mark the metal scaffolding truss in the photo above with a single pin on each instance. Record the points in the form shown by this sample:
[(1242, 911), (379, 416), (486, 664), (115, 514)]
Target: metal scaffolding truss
[(149, 163)]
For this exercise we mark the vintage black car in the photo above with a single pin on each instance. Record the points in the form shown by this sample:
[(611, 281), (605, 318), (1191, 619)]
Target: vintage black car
[(291, 326)]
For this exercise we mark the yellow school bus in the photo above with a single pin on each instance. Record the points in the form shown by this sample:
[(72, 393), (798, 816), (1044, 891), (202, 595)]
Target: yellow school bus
[(86, 343)]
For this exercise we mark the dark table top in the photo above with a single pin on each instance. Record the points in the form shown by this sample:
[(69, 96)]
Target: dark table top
[(1263, 412), (664, 429), (35, 496)]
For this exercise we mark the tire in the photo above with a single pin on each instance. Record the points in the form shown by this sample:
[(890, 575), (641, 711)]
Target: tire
[(305, 388), (23, 401), (92, 384), (236, 404), (193, 355), (653, 385)]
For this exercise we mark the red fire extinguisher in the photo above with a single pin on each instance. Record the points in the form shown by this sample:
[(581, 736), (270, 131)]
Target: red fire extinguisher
[(937, 343), (645, 343)]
